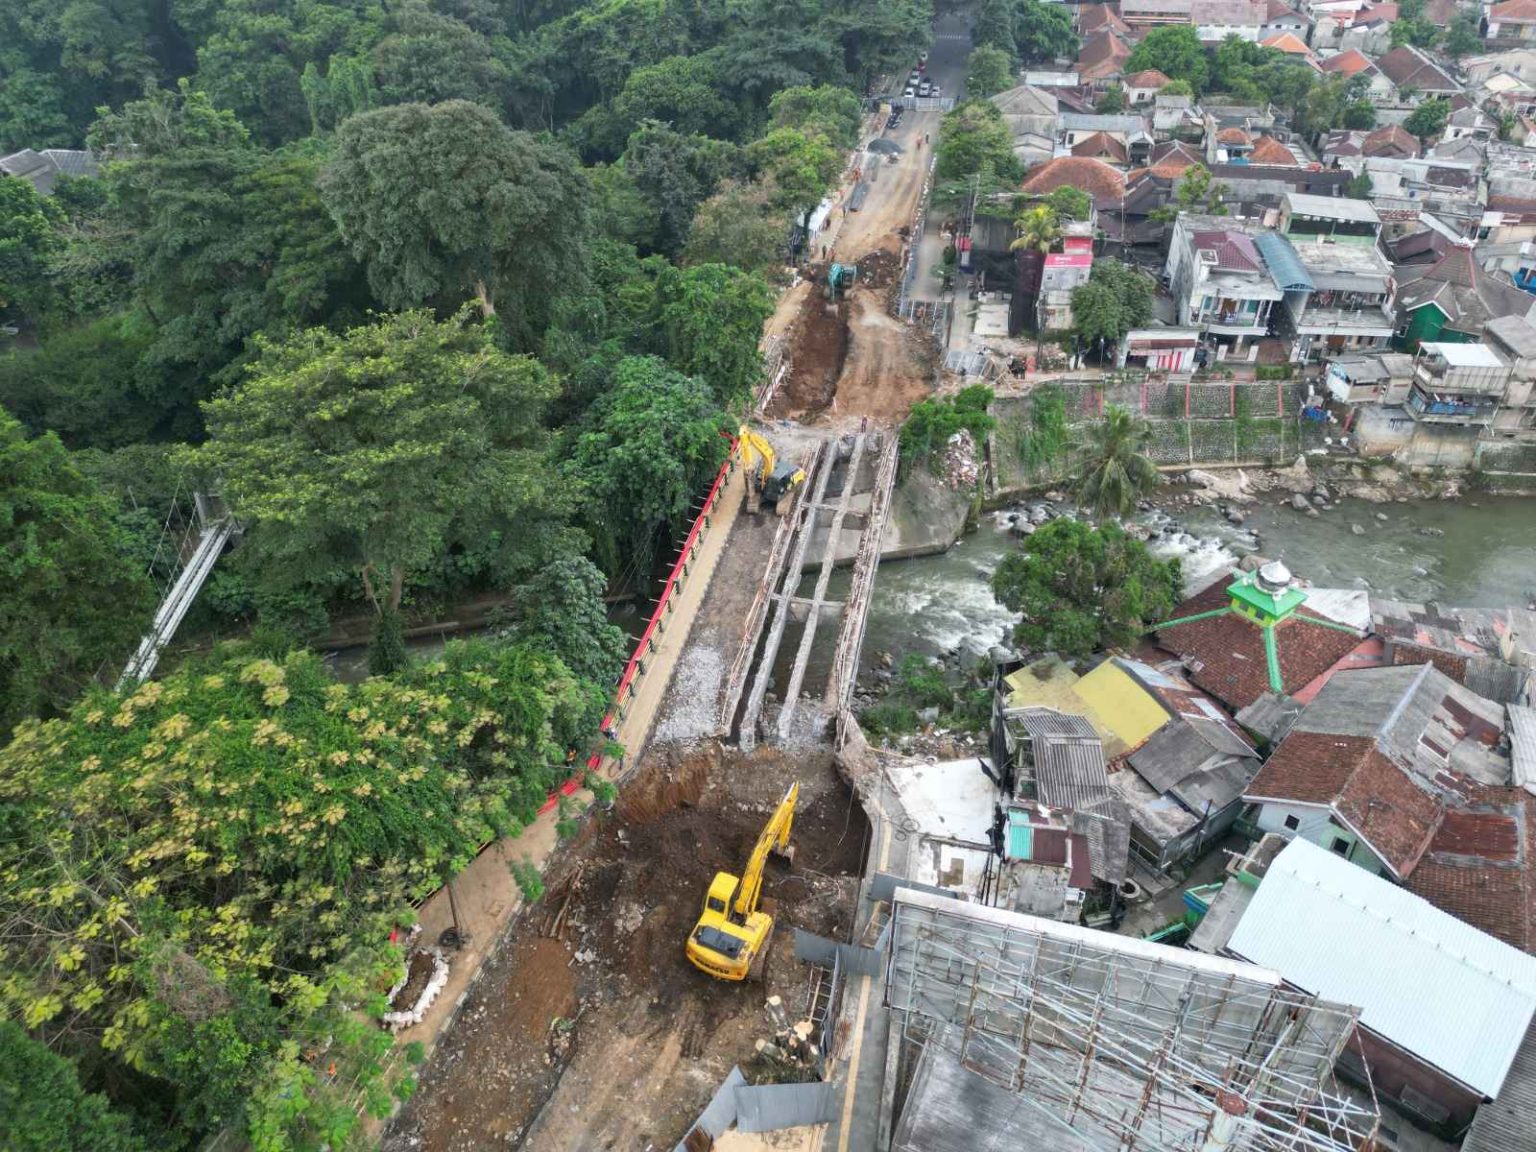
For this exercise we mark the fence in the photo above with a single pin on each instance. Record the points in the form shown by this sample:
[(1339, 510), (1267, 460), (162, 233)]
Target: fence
[(914, 242), (1191, 424)]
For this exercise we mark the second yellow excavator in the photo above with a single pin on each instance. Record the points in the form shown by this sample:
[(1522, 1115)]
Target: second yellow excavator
[(767, 480), (730, 941)]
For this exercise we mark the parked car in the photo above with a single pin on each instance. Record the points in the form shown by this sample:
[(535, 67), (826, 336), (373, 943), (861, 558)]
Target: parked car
[(925, 89), (909, 91), (935, 91)]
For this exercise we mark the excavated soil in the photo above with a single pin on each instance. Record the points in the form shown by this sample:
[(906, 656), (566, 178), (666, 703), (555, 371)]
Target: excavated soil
[(652, 1036), (816, 359)]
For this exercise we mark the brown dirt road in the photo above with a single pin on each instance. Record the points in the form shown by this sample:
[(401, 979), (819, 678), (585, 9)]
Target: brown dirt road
[(894, 195), (609, 1038)]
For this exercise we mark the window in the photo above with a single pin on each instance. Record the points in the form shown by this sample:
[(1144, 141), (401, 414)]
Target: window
[(1293, 822), (1340, 845)]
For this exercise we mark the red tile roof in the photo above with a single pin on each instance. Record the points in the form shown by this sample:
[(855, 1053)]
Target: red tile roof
[(1102, 144), (1513, 12), (1371, 794), (1390, 140), (1268, 150), (1234, 250), (1101, 54), (1478, 866), (1289, 43), (1147, 78), (1407, 67), (1094, 177), (1230, 649), (1233, 136), (1349, 63)]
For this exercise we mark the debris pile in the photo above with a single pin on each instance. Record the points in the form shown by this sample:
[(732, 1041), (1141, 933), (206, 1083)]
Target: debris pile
[(961, 468)]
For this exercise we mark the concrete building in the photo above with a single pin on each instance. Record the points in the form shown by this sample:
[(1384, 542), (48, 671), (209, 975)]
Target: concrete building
[(44, 168), (1445, 1009), (1220, 282), (1457, 384), (1342, 301)]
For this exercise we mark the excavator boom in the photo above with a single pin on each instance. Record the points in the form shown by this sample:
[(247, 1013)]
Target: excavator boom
[(766, 478)]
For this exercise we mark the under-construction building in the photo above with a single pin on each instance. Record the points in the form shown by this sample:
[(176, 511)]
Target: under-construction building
[(1013, 1032)]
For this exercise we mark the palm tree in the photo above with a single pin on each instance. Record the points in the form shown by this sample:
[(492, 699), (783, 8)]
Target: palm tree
[(1039, 229), (1117, 471)]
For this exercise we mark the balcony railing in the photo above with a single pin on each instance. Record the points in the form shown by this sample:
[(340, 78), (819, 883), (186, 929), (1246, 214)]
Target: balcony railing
[(1448, 409), (1438, 378)]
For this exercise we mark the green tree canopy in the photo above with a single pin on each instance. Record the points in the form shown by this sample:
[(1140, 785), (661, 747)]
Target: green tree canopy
[(1112, 101), (675, 173), (1071, 203), (31, 235), (711, 320), (431, 58), (972, 137), (202, 875), (1116, 299), (560, 608), (444, 202), (989, 70), (1082, 588), (1176, 52), (1042, 31), (75, 598), (379, 450), (827, 109), (651, 448), (1463, 37), (1428, 119), (931, 423), (800, 166), (1039, 229), (738, 226), (1116, 471), (44, 1109)]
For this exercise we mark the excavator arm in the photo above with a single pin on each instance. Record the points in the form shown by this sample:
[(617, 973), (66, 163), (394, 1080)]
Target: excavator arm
[(765, 479), (774, 838)]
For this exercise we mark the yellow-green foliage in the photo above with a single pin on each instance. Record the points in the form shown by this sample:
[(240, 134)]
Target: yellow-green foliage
[(240, 838)]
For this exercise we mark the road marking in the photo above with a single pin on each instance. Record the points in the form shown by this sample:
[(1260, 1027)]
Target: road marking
[(858, 1023)]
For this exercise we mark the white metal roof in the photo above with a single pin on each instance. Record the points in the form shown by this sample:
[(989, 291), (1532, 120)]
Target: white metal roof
[(1332, 208), (1464, 355), (1456, 997)]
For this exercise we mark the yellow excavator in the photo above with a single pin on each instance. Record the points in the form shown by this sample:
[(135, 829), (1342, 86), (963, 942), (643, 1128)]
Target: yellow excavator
[(767, 480), (730, 941)]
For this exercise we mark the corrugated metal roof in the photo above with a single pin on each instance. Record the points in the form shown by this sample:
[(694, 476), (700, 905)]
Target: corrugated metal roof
[(1285, 266), (1452, 995), (1506, 1124), (1522, 745)]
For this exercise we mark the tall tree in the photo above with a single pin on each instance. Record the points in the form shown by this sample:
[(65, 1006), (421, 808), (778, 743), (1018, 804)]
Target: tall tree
[(1428, 120), (43, 1108), (1082, 588), (974, 137), (675, 173), (711, 319), (827, 109), (31, 235), (1175, 51), (75, 598), (739, 226), (381, 450), (445, 202), (1042, 31), (652, 446), (988, 71), (801, 166), (1116, 299), (430, 58), (1117, 472)]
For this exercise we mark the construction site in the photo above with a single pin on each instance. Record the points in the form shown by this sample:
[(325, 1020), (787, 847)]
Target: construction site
[(590, 1028)]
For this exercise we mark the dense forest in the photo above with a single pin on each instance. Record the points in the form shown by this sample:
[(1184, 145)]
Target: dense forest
[(446, 299)]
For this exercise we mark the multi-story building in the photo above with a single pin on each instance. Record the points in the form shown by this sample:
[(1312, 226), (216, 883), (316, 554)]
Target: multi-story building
[(1460, 384), (1220, 282), (1343, 301)]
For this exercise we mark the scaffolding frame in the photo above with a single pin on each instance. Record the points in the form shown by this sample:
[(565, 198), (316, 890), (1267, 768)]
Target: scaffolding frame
[(1131, 1047)]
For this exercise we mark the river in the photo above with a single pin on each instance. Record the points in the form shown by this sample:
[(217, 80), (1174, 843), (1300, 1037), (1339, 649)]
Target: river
[(1486, 557)]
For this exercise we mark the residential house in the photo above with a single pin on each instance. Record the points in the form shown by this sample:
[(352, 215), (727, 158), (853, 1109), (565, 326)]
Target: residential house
[(1129, 132), (1281, 17), (1160, 349), (1491, 651), (1143, 87), (1179, 763), (1390, 141), (1342, 300), (1175, 116), (1374, 378), (1044, 867), (1353, 62), (1415, 76), (43, 169), (1518, 62), (1229, 145), (1268, 152), (1102, 54), (1062, 270), (1057, 759), (1307, 218), (1370, 31), (1151, 13), (1219, 281), (1457, 384), (1105, 184), (1514, 339), (1256, 634), (1444, 1008), (1453, 298), (1030, 114), (1103, 146), (1216, 20), (1505, 93), (1372, 764), (1510, 24), (1292, 45)]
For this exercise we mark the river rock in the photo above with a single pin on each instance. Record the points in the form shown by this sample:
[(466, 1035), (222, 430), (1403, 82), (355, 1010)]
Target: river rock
[(1382, 516), (1039, 514), (1430, 531), (1234, 516), (1320, 498), (1300, 503), (1357, 529), (1055, 497), (1313, 512), (887, 660), (1321, 490), (1251, 562)]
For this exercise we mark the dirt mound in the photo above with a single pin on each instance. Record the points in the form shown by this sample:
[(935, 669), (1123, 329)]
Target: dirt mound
[(880, 269)]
